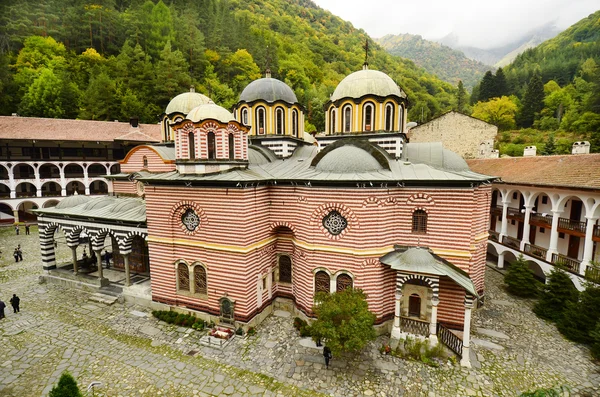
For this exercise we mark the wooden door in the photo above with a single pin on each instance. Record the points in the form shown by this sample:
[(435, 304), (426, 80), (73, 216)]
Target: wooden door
[(573, 250), (414, 305)]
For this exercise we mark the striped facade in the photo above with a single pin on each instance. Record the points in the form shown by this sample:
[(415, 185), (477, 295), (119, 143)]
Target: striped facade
[(146, 158)]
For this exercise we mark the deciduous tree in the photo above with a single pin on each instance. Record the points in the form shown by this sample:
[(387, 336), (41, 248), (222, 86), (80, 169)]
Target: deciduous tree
[(499, 111)]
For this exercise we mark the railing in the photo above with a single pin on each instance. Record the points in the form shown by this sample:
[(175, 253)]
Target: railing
[(494, 235), (570, 224), (541, 219), (497, 210), (511, 242), (596, 231), (514, 212), (592, 273), (569, 263), (537, 251), (414, 327), (449, 339)]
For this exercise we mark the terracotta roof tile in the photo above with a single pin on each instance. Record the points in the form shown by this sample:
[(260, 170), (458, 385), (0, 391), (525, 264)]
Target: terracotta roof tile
[(75, 130), (575, 171)]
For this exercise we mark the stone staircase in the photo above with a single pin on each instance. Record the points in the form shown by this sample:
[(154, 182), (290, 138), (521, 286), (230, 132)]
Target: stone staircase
[(106, 295)]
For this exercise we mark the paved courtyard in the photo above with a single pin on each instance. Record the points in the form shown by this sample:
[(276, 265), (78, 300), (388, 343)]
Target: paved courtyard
[(133, 354)]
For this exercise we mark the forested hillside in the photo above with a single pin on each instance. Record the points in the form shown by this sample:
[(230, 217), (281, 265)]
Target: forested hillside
[(112, 59), (448, 64), (554, 87)]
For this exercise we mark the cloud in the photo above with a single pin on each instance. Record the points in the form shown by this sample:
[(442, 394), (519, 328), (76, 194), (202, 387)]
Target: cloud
[(480, 23)]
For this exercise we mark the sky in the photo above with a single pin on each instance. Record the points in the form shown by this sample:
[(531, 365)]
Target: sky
[(478, 23)]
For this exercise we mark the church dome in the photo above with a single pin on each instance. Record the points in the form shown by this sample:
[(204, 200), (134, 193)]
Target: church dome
[(210, 111), (366, 82), (185, 102), (73, 201), (269, 90), (347, 159), (434, 155)]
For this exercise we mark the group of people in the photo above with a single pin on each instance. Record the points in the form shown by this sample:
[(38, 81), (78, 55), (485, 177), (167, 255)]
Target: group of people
[(17, 230), (14, 302), (18, 254)]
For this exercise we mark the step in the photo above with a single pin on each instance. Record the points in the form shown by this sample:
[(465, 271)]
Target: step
[(103, 298)]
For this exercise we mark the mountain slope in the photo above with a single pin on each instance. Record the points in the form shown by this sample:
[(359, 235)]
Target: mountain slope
[(448, 64)]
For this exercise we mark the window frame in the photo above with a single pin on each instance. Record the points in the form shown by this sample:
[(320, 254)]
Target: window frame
[(347, 118), (419, 221), (279, 272), (261, 118), (211, 146), (279, 121), (368, 109), (389, 116)]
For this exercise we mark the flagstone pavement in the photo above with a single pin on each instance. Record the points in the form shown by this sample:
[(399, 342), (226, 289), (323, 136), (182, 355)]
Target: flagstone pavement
[(132, 354)]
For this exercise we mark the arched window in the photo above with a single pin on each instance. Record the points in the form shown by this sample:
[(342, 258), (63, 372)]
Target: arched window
[(389, 117), (285, 269), (343, 281), (212, 147), (347, 118), (368, 117), (414, 305), (145, 161), (419, 221), (294, 122), (322, 282), (200, 280), (401, 118), (279, 121), (231, 144), (191, 146), (245, 116), (332, 121), (260, 118), (183, 277)]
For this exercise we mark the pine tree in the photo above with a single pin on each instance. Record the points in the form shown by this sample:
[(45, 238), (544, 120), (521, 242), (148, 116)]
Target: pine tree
[(461, 98), (549, 146), (487, 87), (519, 279), (580, 318), (66, 387), (533, 101), (500, 84), (556, 293)]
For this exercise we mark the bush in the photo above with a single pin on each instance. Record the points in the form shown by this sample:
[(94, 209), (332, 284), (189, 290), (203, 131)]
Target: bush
[(419, 350), (302, 327), (184, 320), (595, 334), (251, 331), (554, 392), (239, 331), (66, 387), (558, 291), (519, 279), (580, 318)]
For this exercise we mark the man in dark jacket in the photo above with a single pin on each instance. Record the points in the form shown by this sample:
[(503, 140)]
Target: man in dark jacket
[(327, 354), (15, 301)]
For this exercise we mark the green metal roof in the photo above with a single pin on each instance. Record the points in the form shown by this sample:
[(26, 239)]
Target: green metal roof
[(126, 209), (421, 260)]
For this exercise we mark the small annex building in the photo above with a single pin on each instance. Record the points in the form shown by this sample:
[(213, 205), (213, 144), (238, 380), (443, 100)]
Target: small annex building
[(227, 229)]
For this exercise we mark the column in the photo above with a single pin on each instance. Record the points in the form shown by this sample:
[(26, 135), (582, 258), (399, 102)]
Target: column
[(525, 239), (465, 361), (433, 340), (16, 215), (396, 328), (332, 284), (501, 260), (588, 245), (504, 228), (127, 277), (553, 249), (99, 263), (74, 252)]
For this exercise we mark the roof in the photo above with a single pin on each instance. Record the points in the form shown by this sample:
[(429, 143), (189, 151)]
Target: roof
[(366, 82), (210, 111), (433, 154), (12, 127), (125, 209), (269, 90), (581, 171), (185, 102), (421, 260)]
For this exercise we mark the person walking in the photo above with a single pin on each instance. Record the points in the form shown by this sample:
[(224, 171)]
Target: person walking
[(26, 229), (15, 301), (17, 229), (327, 354), (16, 254), (19, 252), (2, 306)]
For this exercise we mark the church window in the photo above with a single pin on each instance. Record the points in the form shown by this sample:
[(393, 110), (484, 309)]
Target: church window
[(332, 121), (369, 117), (245, 116), (145, 162), (260, 117), (212, 147), (285, 269), (231, 144), (389, 117), (343, 282), (183, 277), (294, 122), (200, 286), (400, 119), (335, 223), (279, 121), (190, 220), (419, 221), (322, 282), (191, 146), (347, 118)]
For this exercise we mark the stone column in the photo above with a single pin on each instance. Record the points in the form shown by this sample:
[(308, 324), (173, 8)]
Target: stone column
[(332, 284), (433, 339), (588, 245), (127, 277), (16, 215), (396, 328), (74, 252), (99, 263), (501, 260), (504, 228), (465, 361), (525, 239), (553, 249)]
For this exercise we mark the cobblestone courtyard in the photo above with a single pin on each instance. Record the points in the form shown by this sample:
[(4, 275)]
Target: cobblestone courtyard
[(133, 354)]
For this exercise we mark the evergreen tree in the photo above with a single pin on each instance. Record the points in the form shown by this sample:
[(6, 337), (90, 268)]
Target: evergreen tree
[(519, 279), (66, 387), (98, 101), (595, 334), (487, 88), (533, 101), (461, 98), (549, 146), (501, 86), (172, 76), (556, 294), (580, 317)]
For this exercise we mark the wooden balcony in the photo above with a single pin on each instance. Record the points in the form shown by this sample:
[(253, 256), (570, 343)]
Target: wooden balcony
[(494, 236), (596, 232), (540, 220), (566, 262), (511, 242), (497, 210), (572, 225), (414, 326), (537, 251), (514, 213)]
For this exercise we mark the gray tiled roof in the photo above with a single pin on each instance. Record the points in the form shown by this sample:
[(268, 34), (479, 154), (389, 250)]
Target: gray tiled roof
[(126, 209)]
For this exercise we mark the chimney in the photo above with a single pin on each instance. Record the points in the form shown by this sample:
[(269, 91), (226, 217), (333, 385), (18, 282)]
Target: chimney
[(529, 151), (581, 147), (133, 121), (268, 73)]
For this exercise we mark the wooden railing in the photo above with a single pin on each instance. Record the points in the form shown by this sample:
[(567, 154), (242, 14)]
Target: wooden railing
[(592, 273), (413, 326), (497, 210), (537, 251), (449, 339), (569, 263), (514, 212), (511, 242), (541, 219), (570, 224), (596, 231), (494, 235)]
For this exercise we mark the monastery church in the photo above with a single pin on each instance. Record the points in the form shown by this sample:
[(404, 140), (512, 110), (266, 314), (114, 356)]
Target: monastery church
[(236, 214)]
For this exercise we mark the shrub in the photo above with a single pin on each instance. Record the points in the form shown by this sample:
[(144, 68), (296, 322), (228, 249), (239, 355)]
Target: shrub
[(251, 331), (420, 350), (581, 318), (239, 331), (558, 291), (595, 334), (302, 327), (66, 387), (519, 279), (185, 320), (553, 392)]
